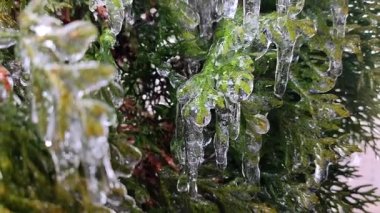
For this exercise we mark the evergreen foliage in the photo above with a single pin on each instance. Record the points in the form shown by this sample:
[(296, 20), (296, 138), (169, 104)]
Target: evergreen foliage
[(103, 103)]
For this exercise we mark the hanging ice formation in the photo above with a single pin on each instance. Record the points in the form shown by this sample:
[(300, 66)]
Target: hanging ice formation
[(75, 127), (226, 78), (284, 30), (333, 47), (211, 11), (231, 83), (115, 11)]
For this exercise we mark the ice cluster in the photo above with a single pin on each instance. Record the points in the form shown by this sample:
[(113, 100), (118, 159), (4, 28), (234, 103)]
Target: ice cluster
[(203, 99), (75, 127)]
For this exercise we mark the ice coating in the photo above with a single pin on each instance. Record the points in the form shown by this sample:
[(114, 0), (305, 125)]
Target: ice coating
[(222, 137), (229, 8), (194, 153), (75, 129), (321, 166), (284, 60), (117, 11), (78, 33), (206, 10), (116, 15), (285, 45), (211, 11), (202, 99), (333, 46), (234, 120), (257, 125), (339, 12), (251, 19), (189, 16)]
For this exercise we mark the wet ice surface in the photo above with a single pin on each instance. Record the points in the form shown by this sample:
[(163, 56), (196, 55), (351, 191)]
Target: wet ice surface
[(117, 11), (75, 127), (196, 106), (285, 45), (251, 19)]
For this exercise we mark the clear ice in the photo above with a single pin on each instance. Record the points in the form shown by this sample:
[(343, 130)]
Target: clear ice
[(285, 44), (75, 127), (117, 10), (224, 93), (194, 153), (229, 8), (222, 138), (207, 11), (194, 112), (339, 12), (333, 47), (211, 11), (251, 19)]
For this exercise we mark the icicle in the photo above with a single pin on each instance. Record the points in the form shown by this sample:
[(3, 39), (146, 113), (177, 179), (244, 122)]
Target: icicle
[(339, 10), (251, 169), (257, 125), (285, 46), (251, 159), (194, 153), (183, 182), (284, 60), (207, 10), (234, 120), (251, 19), (75, 129), (321, 166), (230, 7), (222, 137), (178, 147), (129, 17)]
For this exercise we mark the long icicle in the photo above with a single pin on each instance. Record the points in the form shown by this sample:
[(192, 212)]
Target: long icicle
[(339, 11), (285, 47), (251, 19)]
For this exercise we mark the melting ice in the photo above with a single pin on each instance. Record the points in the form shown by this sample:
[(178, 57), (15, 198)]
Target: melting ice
[(75, 128)]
